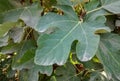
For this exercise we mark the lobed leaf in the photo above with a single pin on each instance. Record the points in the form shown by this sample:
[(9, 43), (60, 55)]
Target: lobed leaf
[(58, 44)]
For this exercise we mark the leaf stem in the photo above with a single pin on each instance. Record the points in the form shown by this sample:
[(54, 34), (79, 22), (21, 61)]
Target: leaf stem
[(94, 10), (28, 34)]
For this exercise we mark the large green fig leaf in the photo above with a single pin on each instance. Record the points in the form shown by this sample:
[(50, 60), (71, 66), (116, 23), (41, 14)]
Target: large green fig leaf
[(109, 54), (55, 48)]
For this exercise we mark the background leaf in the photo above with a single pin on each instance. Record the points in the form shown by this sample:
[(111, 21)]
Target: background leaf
[(5, 5), (4, 40), (108, 53), (66, 73), (4, 28), (97, 76), (30, 15), (24, 46), (17, 34)]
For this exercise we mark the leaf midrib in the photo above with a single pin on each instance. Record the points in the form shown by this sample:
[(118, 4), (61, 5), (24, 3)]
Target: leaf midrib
[(85, 41)]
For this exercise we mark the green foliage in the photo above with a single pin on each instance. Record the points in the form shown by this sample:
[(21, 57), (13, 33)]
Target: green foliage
[(109, 49), (59, 40)]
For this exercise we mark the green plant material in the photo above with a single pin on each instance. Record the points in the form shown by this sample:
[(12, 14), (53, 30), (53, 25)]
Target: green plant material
[(4, 28), (108, 53), (58, 40), (48, 3), (28, 55), (5, 5), (25, 56), (92, 65), (30, 15), (97, 76), (66, 73), (27, 61), (10, 48), (64, 2), (24, 46), (94, 4), (111, 21), (4, 41), (97, 15), (17, 34), (57, 45), (32, 74), (111, 5)]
